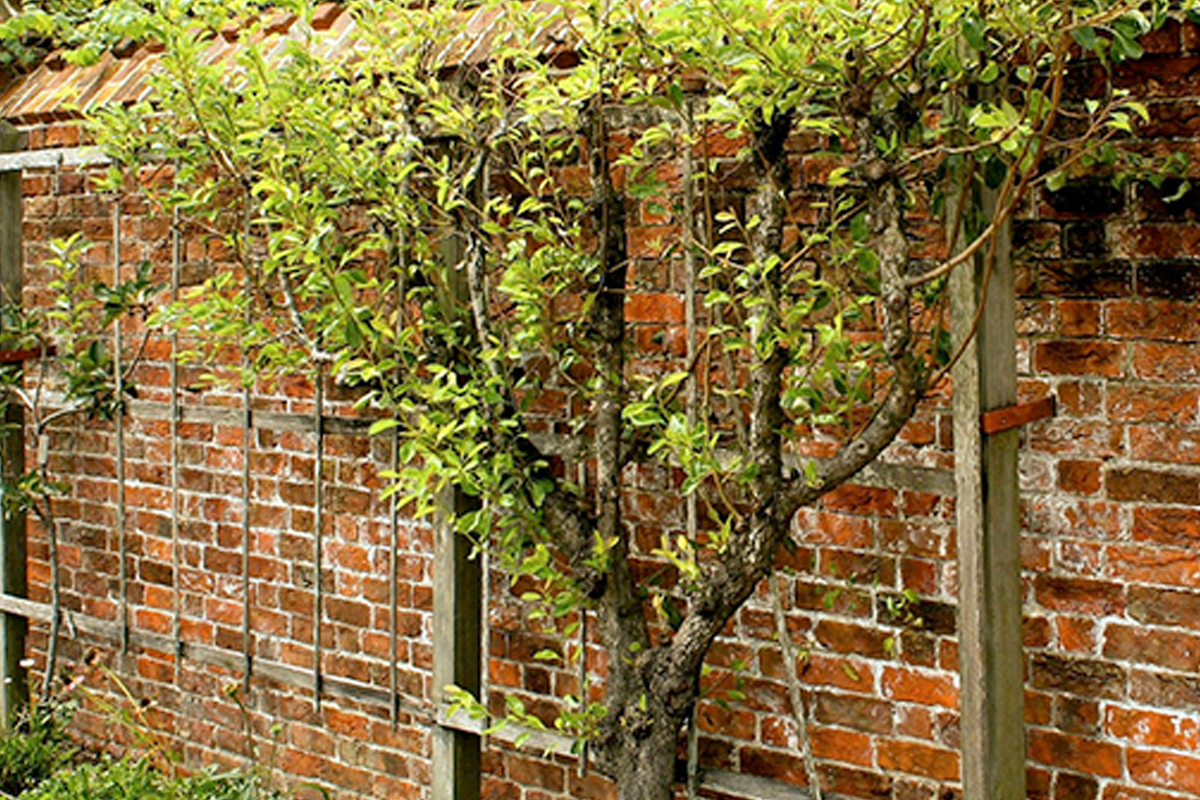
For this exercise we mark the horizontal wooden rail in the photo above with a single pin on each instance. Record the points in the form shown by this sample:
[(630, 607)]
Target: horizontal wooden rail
[(109, 633), (54, 157)]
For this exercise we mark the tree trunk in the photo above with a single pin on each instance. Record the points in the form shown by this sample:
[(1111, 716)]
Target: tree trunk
[(639, 745), (648, 770)]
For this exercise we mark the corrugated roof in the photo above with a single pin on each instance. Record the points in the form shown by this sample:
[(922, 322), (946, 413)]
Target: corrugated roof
[(56, 90)]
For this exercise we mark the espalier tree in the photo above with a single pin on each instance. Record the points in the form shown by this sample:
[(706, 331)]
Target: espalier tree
[(405, 218)]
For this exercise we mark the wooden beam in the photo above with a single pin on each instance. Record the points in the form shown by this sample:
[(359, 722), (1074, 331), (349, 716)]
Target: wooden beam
[(457, 617), (457, 583), (988, 523), (14, 690)]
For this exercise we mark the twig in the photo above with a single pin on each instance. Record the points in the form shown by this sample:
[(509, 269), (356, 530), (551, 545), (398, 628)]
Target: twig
[(794, 694)]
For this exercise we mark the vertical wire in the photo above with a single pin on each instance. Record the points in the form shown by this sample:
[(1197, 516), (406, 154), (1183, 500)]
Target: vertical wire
[(247, 632), (393, 593), (583, 683), (689, 261), (119, 432), (247, 490), (318, 532), (394, 507), (176, 561), (581, 479)]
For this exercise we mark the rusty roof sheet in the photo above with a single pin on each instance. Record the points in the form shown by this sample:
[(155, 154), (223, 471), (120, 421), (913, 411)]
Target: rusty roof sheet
[(56, 90)]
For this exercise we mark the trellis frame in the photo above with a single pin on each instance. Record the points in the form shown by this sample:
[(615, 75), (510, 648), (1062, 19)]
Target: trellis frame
[(985, 482)]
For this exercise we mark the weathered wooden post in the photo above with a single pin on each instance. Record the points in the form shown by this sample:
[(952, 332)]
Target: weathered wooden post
[(14, 691), (456, 659), (457, 619), (989, 531)]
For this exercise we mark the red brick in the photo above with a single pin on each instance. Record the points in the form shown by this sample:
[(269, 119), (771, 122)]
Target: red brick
[(779, 765), (1166, 362), (1163, 444), (1079, 595), (853, 711), (1077, 753), (1165, 690), (838, 599), (1153, 728), (534, 772), (1078, 438), (833, 744), (1083, 677), (1153, 486), (1156, 240), (664, 308), (1079, 477), (1167, 770), (1154, 565), (864, 500), (1170, 649), (858, 783), (1117, 792), (1179, 527), (591, 786), (906, 685), (915, 758), (1068, 786), (1079, 317), (1073, 357), (1146, 403), (1076, 714), (844, 673), (1076, 634), (841, 530), (1149, 319)]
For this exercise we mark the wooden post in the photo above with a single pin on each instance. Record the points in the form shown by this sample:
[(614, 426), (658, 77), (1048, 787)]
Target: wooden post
[(14, 692), (989, 531), (456, 661), (457, 619)]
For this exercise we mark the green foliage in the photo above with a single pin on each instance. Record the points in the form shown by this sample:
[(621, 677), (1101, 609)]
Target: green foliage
[(444, 232), (137, 779), (36, 747)]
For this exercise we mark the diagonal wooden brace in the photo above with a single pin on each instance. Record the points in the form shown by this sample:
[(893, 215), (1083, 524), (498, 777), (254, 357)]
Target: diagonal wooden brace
[(1009, 417)]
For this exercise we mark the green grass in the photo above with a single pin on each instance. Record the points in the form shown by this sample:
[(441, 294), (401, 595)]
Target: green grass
[(36, 748), (38, 761), (138, 779)]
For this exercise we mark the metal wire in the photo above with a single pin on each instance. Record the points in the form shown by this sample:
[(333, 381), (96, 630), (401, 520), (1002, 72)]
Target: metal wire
[(247, 632), (393, 593), (689, 261), (247, 488), (318, 533), (119, 432), (394, 507), (584, 753), (176, 560)]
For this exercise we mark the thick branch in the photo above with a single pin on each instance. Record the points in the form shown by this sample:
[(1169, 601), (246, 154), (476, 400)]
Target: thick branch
[(885, 206), (622, 621), (730, 581)]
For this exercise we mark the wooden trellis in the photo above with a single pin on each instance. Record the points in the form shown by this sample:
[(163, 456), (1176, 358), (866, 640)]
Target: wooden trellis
[(988, 536)]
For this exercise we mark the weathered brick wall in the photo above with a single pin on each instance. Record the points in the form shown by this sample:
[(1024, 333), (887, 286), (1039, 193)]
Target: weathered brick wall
[(1109, 307), (1110, 290)]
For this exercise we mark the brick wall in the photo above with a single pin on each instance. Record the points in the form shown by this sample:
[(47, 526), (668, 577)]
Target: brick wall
[(1109, 291)]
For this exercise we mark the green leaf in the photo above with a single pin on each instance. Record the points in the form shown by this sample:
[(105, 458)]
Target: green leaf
[(974, 30), (381, 425), (1086, 38)]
